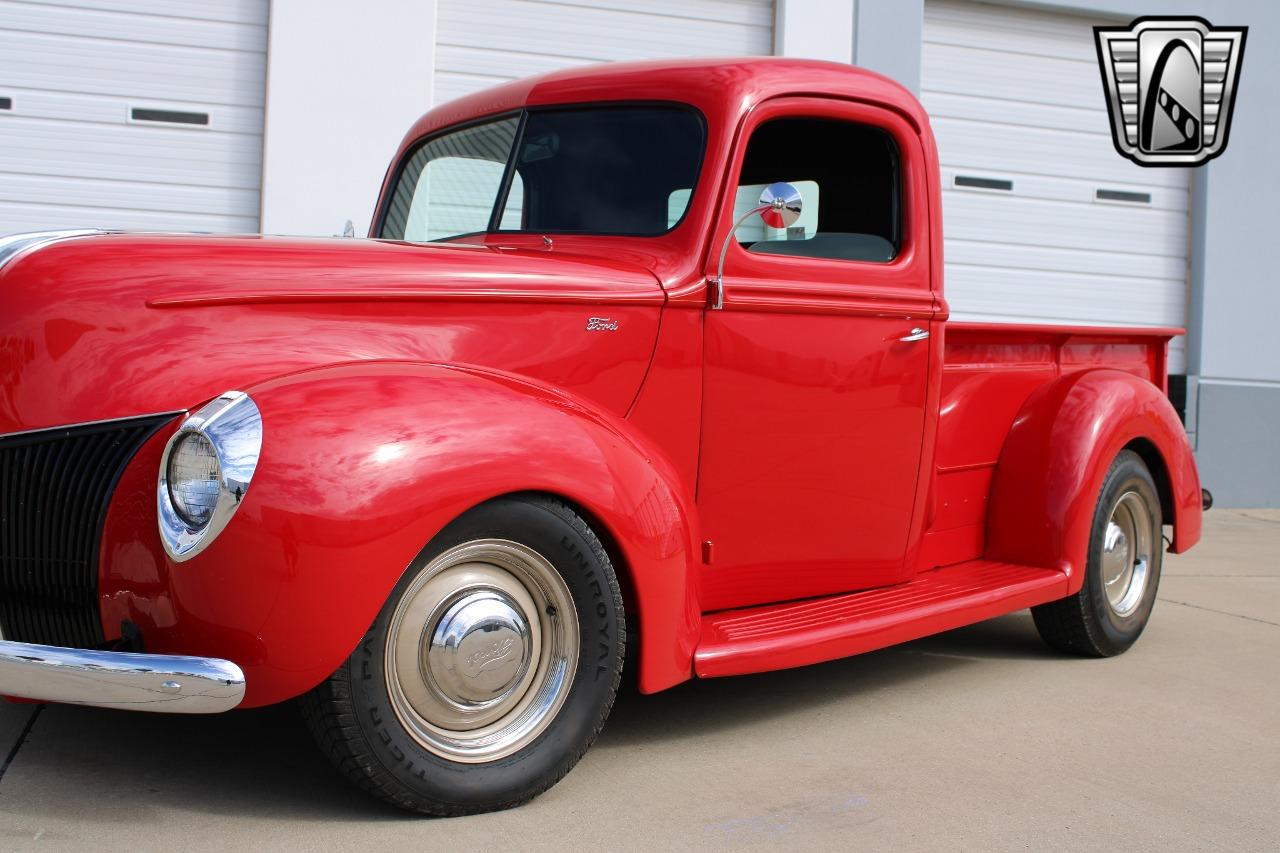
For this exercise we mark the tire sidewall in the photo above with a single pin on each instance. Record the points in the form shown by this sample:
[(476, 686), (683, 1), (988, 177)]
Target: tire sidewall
[(1115, 633), (601, 637)]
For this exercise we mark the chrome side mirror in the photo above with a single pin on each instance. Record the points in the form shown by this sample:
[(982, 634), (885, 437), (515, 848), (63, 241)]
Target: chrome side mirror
[(780, 206)]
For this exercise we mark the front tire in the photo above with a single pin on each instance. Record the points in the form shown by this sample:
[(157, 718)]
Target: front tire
[(1126, 548), (489, 671)]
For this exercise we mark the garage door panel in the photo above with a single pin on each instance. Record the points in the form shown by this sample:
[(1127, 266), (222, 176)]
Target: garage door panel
[(232, 11), (133, 153), (70, 64), (758, 14), (154, 198), (1040, 79), (518, 24), (943, 105), (480, 44), (494, 64), (76, 70), (1014, 94), (1137, 301), (1037, 259), (1026, 31), (97, 109), (1042, 151), (1074, 190), (41, 217), (78, 22), (1035, 222)]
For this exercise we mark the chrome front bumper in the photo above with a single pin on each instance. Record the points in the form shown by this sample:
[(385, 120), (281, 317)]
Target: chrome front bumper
[(169, 684)]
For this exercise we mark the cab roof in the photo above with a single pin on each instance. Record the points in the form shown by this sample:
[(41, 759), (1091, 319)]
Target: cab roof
[(723, 89)]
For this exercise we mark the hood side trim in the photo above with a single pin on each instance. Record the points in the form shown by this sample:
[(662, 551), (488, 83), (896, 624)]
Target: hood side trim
[(275, 297)]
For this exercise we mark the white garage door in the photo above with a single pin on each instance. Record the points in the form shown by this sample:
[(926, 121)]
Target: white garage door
[(1044, 221), (131, 114), (484, 42)]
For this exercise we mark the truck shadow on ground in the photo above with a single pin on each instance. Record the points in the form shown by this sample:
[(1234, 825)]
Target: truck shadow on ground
[(124, 767)]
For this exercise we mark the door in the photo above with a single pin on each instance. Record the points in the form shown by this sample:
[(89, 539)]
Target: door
[(814, 401)]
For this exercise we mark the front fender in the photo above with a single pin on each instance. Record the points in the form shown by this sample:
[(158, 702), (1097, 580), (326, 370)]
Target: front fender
[(1046, 483), (362, 464)]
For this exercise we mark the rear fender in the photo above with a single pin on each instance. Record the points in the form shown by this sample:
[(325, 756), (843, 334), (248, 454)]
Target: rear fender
[(1050, 472), (362, 464)]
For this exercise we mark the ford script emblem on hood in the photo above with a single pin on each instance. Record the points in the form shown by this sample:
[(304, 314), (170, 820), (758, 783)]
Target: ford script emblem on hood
[(602, 324)]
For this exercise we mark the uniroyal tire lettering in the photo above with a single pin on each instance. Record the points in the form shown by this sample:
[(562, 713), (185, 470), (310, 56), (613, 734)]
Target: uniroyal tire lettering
[(597, 593)]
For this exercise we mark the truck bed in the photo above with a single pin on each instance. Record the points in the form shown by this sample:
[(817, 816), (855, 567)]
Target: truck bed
[(989, 370)]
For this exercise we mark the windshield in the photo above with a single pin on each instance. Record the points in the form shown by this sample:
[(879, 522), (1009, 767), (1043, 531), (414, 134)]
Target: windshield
[(583, 170)]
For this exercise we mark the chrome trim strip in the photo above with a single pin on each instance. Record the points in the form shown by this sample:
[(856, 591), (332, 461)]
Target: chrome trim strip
[(233, 425), (169, 684), (15, 245), (102, 422)]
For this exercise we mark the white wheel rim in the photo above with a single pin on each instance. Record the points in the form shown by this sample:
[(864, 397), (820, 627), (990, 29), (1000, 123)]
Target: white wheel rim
[(481, 651), (1126, 553)]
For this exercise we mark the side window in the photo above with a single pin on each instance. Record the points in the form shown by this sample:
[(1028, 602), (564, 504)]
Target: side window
[(847, 174), (455, 196), (448, 186)]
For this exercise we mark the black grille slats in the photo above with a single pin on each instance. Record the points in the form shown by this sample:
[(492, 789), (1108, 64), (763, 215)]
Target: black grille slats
[(55, 486)]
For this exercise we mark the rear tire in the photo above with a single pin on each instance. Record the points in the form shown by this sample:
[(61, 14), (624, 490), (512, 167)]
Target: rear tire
[(1126, 547), (489, 671)]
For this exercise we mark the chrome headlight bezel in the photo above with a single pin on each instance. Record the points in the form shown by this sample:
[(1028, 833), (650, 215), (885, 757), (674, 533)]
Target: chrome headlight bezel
[(232, 424)]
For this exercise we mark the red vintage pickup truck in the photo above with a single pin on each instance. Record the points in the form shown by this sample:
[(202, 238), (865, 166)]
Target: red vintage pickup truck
[(645, 363)]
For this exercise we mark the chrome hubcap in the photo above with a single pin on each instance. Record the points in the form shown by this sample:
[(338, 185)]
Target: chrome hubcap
[(481, 650), (1126, 553)]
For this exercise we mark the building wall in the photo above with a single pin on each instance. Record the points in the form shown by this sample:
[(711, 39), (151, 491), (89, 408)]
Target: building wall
[(815, 29), (344, 83)]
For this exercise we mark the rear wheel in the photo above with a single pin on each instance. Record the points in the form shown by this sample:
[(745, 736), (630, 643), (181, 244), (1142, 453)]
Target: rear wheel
[(1126, 547), (489, 671)]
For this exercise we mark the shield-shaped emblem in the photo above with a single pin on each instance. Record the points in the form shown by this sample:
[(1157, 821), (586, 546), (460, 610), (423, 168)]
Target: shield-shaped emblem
[(1170, 86)]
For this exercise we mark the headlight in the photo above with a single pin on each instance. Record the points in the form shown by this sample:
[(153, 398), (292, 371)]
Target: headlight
[(205, 473), (193, 478)]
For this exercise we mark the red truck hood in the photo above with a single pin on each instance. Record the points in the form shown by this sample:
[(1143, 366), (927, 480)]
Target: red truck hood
[(112, 326)]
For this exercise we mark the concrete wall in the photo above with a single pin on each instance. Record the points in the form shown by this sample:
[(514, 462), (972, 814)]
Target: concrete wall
[(814, 29), (889, 37), (344, 83)]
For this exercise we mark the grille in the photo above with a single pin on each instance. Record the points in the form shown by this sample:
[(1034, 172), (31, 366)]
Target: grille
[(54, 489)]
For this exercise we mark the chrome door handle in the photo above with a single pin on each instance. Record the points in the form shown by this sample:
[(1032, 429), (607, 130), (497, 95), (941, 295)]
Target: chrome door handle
[(917, 334)]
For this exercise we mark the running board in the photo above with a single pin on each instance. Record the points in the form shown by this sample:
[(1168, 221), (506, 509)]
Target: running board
[(798, 633)]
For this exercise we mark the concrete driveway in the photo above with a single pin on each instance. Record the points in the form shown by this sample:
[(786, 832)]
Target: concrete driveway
[(977, 739)]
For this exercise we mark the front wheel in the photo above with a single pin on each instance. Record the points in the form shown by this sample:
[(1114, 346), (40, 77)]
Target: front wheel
[(1126, 545), (488, 672)]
